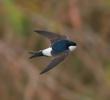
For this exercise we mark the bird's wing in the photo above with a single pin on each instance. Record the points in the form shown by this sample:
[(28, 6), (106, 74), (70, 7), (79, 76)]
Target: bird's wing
[(58, 59), (53, 37)]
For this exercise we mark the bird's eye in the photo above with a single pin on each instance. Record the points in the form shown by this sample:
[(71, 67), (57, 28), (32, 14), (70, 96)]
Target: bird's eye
[(74, 44)]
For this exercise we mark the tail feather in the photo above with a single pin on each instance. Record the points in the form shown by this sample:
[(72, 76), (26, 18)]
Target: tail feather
[(35, 54)]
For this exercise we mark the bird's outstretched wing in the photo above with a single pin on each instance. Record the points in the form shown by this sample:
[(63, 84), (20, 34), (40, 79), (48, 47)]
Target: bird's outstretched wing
[(58, 59), (53, 37)]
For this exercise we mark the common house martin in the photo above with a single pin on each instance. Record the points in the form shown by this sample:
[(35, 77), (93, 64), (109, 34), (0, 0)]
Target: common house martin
[(59, 49)]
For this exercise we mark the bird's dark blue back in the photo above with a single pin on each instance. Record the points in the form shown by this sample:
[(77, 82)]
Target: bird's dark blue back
[(60, 46)]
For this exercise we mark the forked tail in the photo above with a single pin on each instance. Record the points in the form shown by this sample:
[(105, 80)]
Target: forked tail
[(35, 54)]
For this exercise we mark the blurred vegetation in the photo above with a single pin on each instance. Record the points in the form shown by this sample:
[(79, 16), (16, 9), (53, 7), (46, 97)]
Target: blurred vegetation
[(84, 75)]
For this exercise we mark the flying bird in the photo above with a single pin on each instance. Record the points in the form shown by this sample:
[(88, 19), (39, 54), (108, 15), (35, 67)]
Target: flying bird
[(59, 49)]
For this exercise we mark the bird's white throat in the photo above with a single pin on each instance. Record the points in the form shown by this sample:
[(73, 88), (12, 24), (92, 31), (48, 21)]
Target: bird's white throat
[(71, 48)]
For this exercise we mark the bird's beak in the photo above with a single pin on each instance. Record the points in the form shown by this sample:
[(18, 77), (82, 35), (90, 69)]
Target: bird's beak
[(78, 43)]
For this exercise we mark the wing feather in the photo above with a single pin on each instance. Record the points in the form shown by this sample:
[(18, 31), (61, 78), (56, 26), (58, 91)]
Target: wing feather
[(53, 37), (58, 59)]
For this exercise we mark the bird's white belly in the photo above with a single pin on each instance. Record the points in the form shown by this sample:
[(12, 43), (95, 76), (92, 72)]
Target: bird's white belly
[(47, 52), (71, 48)]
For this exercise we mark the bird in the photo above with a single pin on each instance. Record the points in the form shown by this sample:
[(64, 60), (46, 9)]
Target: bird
[(59, 49)]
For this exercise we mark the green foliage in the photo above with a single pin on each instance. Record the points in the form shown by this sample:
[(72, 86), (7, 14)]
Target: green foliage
[(16, 19), (107, 69)]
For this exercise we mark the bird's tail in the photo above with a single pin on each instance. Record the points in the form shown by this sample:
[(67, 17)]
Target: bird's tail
[(35, 54)]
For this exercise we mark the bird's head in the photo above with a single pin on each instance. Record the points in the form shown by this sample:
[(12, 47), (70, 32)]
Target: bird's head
[(71, 45)]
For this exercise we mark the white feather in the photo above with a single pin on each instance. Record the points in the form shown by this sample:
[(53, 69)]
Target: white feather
[(71, 48), (47, 52)]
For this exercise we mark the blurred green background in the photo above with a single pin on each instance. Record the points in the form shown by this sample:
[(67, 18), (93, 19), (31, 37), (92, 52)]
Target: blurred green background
[(84, 75)]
